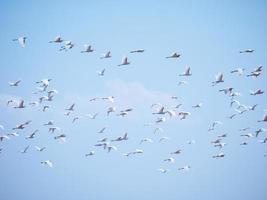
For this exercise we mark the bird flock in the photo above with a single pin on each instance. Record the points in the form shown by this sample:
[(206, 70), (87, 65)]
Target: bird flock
[(45, 95)]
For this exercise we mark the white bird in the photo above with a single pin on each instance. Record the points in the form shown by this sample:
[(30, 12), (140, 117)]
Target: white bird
[(53, 129), (75, 119), (161, 111), (21, 40), (121, 138), (68, 45), (2, 137), (103, 140), (214, 124), (13, 134), (174, 55), (220, 144), (239, 71), (160, 119), (106, 55), (183, 115), (47, 163), (185, 168), (260, 130), (163, 139), (40, 148), (187, 72), (20, 104), (71, 108), (163, 170), (32, 135), (177, 151), (146, 140), (171, 113), (244, 129), (182, 83), (61, 138), (91, 153), (87, 49), (50, 92), (92, 116), (247, 51), (137, 51), (158, 130), (248, 135), (110, 147), (263, 141), (219, 155), (109, 98), (169, 159), (124, 61), (22, 126), (217, 141), (252, 108), (94, 98), (244, 143), (101, 73), (137, 151), (44, 83), (57, 39), (191, 142), (111, 109), (256, 92), (45, 108), (102, 130), (178, 106), (102, 144), (228, 90), (25, 149), (199, 105), (34, 103), (49, 123), (218, 79), (16, 83), (222, 136)]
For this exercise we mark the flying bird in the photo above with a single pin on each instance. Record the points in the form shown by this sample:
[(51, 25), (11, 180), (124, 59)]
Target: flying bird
[(47, 163), (21, 126), (124, 61), (137, 51), (87, 49), (20, 104), (16, 83), (57, 39), (219, 155), (185, 168), (25, 149), (238, 71), (187, 72), (91, 153), (247, 51), (101, 73), (256, 92), (174, 55), (21, 40), (40, 149), (218, 79), (71, 108), (106, 55), (102, 130)]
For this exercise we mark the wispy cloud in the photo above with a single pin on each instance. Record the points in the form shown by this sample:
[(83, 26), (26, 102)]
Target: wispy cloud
[(135, 93)]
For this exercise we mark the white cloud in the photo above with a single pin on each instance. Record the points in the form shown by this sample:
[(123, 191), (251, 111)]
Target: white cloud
[(135, 93)]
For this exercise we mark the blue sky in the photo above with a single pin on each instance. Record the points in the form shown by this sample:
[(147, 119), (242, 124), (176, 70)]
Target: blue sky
[(209, 36)]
